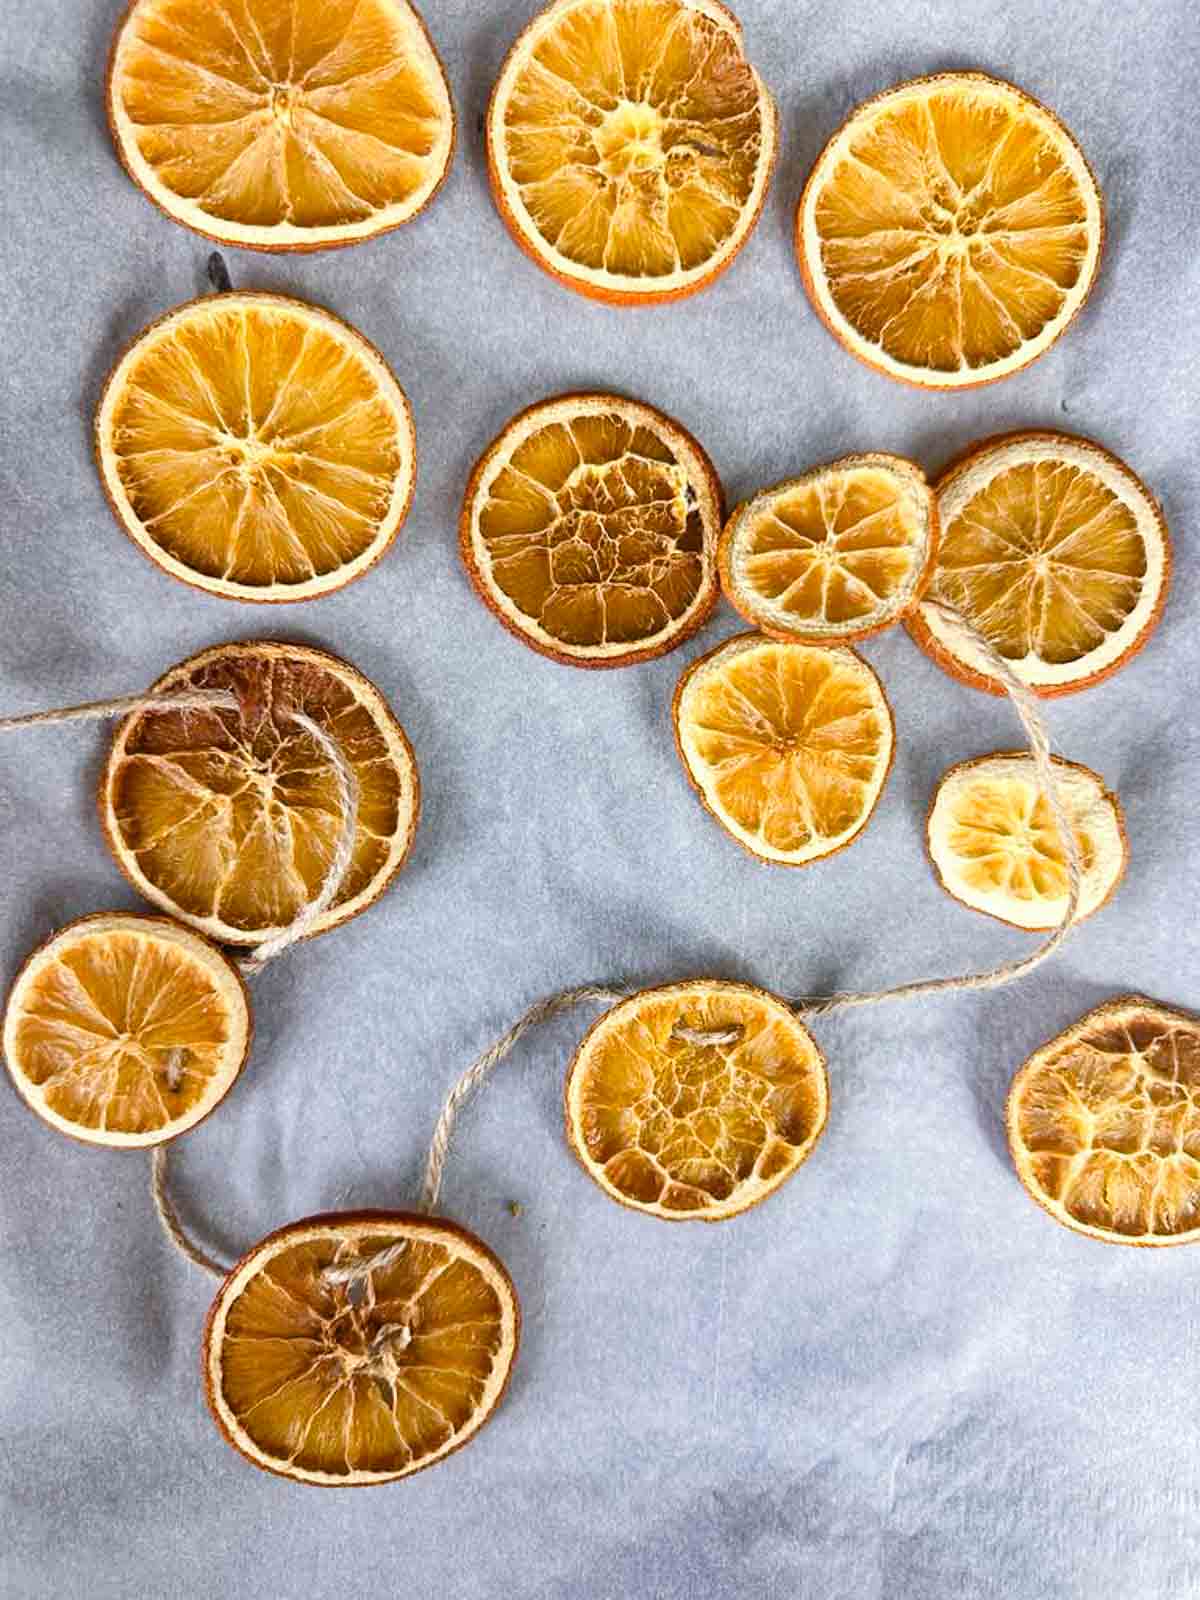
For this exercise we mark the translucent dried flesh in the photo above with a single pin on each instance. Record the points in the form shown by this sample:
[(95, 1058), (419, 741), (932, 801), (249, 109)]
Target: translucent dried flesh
[(1104, 1124)]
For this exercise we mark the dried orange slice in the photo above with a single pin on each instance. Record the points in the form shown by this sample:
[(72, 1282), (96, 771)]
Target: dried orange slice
[(696, 1100), (836, 554), (590, 527), (274, 126), (630, 145), (256, 447), (229, 819), (363, 1379), (788, 745), (996, 847), (1053, 550), (949, 231), (1103, 1124), (126, 1030)]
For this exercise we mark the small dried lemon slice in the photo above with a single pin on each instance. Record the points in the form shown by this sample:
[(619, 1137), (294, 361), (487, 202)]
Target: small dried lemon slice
[(126, 1030), (590, 526), (1056, 552), (361, 1379), (1104, 1128), (696, 1100), (996, 847), (788, 745), (229, 819), (836, 554)]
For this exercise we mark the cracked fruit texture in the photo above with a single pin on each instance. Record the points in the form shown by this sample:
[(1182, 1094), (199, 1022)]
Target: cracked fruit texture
[(229, 819), (839, 553), (126, 1030), (996, 847), (590, 526), (696, 1101), (949, 231), (1054, 551), (788, 745), (281, 124), (369, 1376), (630, 145), (256, 447), (1104, 1124)]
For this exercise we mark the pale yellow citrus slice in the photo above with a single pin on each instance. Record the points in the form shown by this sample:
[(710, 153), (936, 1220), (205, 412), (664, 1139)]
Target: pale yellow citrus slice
[(256, 447), (364, 1378), (1055, 552), (696, 1101), (996, 847), (836, 554), (590, 526), (630, 145), (788, 745), (1104, 1128), (281, 124), (949, 231), (230, 819), (126, 1030)]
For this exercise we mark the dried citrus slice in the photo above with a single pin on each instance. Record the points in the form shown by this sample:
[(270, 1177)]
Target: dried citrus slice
[(256, 447), (834, 555), (1103, 1124), (788, 745), (949, 231), (696, 1100), (590, 528), (1053, 550), (229, 819), (126, 1030), (630, 145), (359, 1380), (294, 126), (996, 847)]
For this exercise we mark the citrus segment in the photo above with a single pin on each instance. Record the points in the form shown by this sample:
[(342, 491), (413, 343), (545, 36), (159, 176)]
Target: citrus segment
[(630, 145), (696, 1100), (126, 1030), (1104, 1128), (292, 126)]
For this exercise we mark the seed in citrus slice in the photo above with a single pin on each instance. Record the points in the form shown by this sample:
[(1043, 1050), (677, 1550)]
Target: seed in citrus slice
[(126, 1030), (996, 847), (590, 527), (1053, 550), (256, 447), (949, 231), (1103, 1124), (360, 1381), (630, 145), (836, 554), (788, 745), (295, 126), (697, 1100), (230, 819)]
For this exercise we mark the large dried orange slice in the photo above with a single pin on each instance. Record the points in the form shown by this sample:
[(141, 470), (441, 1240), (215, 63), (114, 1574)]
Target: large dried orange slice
[(256, 447), (590, 528), (949, 231), (630, 145), (834, 555), (696, 1100), (788, 745), (230, 819), (359, 1347), (1055, 552), (281, 126), (1104, 1128), (126, 1030), (996, 847)]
